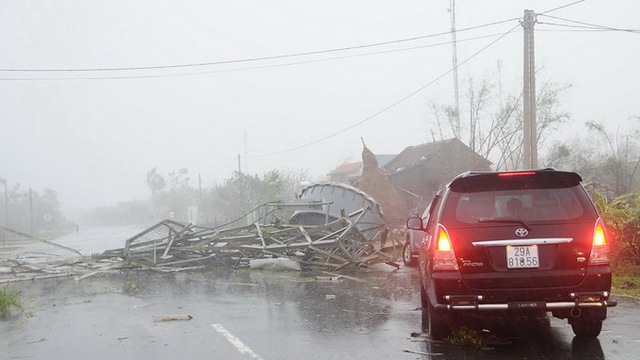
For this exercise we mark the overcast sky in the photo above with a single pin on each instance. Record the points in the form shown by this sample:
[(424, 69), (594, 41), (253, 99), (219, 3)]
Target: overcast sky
[(94, 94)]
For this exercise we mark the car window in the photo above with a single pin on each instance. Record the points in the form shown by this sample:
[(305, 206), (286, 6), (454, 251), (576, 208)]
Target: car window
[(528, 205)]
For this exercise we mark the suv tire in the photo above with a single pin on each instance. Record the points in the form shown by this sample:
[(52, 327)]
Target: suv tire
[(407, 258), (586, 328), (438, 324)]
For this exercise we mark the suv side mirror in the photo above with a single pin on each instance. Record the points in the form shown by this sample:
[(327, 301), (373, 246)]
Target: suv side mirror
[(415, 223)]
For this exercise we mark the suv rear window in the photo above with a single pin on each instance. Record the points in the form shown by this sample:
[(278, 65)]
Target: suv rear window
[(533, 198)]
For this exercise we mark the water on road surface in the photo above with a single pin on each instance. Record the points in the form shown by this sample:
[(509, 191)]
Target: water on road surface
[(220, 313)]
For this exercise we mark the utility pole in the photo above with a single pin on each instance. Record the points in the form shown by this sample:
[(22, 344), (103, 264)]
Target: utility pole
[(246, 170), (530, 134), (456, 93), (6, 210), (199, 188), (31, 210)]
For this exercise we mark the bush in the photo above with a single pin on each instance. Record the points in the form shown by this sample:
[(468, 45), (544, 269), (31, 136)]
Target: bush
[(622, 220), (625, 268), (9, 298)]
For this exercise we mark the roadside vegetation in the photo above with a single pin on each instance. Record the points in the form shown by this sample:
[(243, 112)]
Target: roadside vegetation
[(465, 336), (622, 219), (9, 298)]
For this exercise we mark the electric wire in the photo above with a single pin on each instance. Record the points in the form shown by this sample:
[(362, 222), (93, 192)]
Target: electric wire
[(633, 31), (396, 103), (563, 6), (263, 58), (221, 168), (570, 27), (301, 62)]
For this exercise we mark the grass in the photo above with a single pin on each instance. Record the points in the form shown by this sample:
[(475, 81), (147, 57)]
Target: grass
[(9, 298), (626, 279), (628, 285)]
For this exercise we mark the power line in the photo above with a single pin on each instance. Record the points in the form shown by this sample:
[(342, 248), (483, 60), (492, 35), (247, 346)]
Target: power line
[(633, 31), (235, 158), (393, 104), (571, 27), (563, 6), (301, 62), (255, 59)]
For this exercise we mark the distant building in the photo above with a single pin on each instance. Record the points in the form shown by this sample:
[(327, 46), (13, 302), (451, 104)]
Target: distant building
[(419, 171), (349, 173)]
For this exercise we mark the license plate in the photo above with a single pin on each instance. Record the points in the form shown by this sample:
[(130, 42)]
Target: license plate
[(522, 257)]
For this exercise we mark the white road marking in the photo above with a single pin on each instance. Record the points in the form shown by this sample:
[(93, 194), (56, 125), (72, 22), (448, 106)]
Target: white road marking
[(235, 341)]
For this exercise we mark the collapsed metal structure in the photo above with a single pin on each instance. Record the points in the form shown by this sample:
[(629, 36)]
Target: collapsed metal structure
[(320, 233), (331, 226)]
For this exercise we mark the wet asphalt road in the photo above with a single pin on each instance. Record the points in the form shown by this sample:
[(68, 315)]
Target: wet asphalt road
[(266, 314)]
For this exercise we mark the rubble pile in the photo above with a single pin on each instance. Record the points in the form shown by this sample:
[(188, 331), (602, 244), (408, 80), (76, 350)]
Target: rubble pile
[(336, 244), (333, 226)]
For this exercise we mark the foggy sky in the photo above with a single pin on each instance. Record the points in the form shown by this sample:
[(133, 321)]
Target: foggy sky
[(92, 135)]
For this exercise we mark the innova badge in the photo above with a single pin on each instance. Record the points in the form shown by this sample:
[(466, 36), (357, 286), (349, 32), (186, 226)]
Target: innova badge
[(522, 232)]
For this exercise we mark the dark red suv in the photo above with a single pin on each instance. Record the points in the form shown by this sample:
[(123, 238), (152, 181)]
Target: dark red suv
[(519, 242)]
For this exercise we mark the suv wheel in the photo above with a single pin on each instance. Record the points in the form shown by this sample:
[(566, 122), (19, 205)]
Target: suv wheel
[(586, 328), (407, 258), (425, 305), (437, 323)]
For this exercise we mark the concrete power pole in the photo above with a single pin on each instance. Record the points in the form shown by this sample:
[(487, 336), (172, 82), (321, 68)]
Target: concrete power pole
[(530, 135), (455, 67)]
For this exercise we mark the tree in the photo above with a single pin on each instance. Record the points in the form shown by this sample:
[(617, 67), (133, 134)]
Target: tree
[(293, 180), (494, 127), (155, 182), (617, 164), (238, 195), (226, 202), (173, 194), (31, 212), (243, 193), (607, 162)]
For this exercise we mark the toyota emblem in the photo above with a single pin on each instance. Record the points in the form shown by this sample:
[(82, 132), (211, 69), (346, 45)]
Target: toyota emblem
[(522, 232)]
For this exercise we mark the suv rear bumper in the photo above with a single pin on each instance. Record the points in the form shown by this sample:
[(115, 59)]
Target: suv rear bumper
[(468, 303), (450, 293)]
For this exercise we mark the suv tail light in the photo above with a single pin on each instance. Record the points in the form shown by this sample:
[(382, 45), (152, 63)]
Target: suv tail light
[(600, 247), (444, 258)]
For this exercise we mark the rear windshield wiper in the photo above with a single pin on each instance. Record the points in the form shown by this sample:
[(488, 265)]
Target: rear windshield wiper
[(506, 221)]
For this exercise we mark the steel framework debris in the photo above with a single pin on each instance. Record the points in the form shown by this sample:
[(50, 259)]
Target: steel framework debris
[(348, 240), (330, 226), (35, 238)]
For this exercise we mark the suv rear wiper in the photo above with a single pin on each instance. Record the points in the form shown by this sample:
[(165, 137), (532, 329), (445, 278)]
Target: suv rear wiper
[(506, 221)]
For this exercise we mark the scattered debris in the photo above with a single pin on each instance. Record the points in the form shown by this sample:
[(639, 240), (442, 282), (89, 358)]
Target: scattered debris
[(45, 267), (341, 276), (35, 238), (316, 236), (332, 226), (277, 264), (37, 341), (422, 353), (163, 318)]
